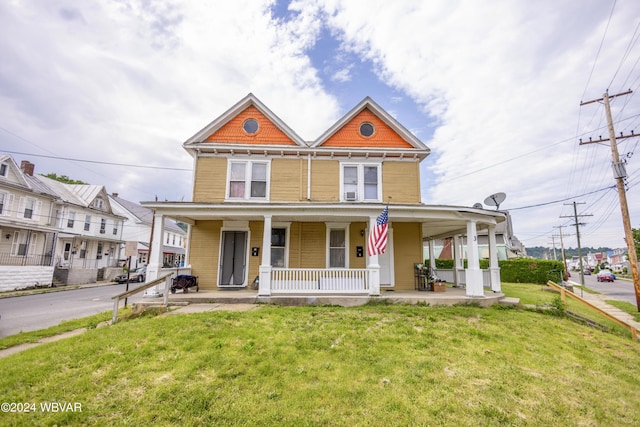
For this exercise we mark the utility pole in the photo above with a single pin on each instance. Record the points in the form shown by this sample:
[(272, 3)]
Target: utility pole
[(620, 173), (564, 258), (553, 243), (578, 224)]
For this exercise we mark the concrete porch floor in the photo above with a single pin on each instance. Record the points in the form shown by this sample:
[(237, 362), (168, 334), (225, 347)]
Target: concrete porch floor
[(451, 296)]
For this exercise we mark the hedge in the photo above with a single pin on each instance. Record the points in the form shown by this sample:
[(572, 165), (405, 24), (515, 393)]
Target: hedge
[(521, 270)]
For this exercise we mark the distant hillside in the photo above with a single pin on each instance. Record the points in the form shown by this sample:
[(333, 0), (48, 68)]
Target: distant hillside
[(540, 252)]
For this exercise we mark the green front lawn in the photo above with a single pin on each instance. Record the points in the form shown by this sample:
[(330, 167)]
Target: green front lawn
[(371, 365)]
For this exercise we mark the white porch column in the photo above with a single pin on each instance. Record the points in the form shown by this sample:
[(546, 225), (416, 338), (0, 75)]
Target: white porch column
[(264, 285), (155, 257), (473, 274), (373, 266), (494, 269), (432, 258), (458, 261)]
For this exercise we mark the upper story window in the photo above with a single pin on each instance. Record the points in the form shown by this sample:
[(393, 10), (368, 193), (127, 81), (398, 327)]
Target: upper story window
[(115, 227), (3, 201), (103, 225), (71, 219), (248, 180), (87, 222), (4, 169), (361, 182), (29, 208), (98, 203)]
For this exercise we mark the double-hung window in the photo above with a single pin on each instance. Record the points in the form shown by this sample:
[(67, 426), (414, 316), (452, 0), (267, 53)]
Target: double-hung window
[(337, 245), (71, 219), (278, 247), (248, 180), (103, 225), (3, 198), (87, 222), (29, 208), (361, 182)]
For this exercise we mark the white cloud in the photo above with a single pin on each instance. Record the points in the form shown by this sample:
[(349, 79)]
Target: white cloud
[(128, 81)]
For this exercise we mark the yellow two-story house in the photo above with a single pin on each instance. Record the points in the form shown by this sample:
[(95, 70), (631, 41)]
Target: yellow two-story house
[(290, 216)]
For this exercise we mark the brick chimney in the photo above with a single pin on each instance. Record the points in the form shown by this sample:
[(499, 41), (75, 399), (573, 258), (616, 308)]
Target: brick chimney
[(114, 194), (27, 167)]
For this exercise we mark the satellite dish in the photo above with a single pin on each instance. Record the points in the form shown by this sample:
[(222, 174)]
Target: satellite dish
[(478, 206), (495, 200)]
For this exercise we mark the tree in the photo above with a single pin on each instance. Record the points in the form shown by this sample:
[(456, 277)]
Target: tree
[(63, 178)]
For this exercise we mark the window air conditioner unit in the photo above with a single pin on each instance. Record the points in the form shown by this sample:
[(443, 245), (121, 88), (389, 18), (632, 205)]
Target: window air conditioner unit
[(351, 195)]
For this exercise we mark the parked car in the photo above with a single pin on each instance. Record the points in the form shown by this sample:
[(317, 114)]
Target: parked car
[(587, 272), (605, 276), (137, 275)]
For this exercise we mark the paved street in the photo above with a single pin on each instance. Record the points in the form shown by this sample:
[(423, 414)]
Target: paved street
[(33, 312), (619, 289)]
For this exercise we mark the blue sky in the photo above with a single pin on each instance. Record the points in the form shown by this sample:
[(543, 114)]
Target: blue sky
[(492, 87)]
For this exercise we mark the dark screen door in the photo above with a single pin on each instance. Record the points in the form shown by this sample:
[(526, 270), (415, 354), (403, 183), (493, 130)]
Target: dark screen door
[(233, 259)]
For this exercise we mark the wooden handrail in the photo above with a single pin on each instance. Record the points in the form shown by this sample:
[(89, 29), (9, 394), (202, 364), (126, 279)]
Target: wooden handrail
[(134, 291), (564, 292)]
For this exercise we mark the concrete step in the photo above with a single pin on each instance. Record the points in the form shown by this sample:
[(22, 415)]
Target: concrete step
[(509, 301)]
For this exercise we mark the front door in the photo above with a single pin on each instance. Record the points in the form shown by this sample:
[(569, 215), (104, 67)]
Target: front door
[(233, 259)]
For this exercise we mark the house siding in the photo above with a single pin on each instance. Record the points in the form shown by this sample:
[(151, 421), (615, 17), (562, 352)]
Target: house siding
[(205, 251), (210, 180), (355, 240), (267, 133), (288, 180), (407, 245), (401, 182), (312, 238), (325, 180), (349, 135), (255, 241)]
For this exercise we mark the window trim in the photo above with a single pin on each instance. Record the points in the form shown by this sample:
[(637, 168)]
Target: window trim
[(287, 239), (4, 170), (360, 193), (337, 226), (248, 179)]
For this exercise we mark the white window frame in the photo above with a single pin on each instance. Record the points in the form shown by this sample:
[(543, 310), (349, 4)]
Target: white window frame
[(247, 179), (360, 196), (87, 223), (103, 226), (4, 198), (71, 219), (337, 226), (4, 169), (287, 236)]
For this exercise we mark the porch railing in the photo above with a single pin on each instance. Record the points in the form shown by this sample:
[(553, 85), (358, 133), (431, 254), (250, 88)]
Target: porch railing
[(8, 259), (319, 280)]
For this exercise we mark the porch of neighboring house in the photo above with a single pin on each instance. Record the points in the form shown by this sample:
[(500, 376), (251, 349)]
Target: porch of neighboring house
[(258, 280)]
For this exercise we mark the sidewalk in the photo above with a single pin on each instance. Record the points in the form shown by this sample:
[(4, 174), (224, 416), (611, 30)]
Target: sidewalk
[(598, 300)]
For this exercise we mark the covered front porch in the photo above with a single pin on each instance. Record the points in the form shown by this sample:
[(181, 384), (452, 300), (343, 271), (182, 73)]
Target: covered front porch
[(452, 296), (239, 247)]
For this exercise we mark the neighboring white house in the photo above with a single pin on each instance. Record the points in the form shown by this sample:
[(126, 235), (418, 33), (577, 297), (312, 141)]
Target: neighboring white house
[(27, 227), (136, 234)]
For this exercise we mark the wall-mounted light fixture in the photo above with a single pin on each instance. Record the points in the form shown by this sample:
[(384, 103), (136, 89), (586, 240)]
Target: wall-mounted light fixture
[(8, 236), (362, 232)]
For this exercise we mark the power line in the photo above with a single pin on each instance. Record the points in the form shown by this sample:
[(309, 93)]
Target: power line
[(562, 200), (98, 162)]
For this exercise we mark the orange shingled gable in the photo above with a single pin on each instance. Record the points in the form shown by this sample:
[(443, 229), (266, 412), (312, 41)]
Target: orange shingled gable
[(268, 133), (349, 135)]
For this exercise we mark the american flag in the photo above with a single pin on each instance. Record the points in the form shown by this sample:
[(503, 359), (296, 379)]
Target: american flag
[(377, 242)]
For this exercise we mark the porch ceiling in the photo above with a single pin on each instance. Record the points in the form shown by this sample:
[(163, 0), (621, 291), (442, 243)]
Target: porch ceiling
[(437, 221)]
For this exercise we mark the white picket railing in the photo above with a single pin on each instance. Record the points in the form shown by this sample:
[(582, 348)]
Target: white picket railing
[(319, 280)]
